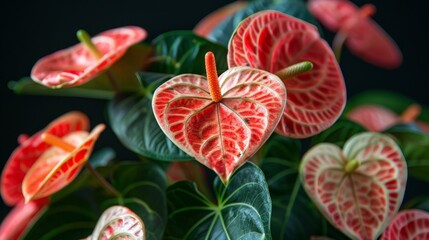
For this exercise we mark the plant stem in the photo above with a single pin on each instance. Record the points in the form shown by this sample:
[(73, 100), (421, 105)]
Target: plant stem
[(351, 166), (337, 44), (85, 39), (106, 185)]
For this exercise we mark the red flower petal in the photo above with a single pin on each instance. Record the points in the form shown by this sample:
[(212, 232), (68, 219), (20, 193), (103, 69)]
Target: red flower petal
[(372, 117), (408, 224), (220, 135), (119, 221), (272, 41), (21, 216), (75, 65), (362, 201), (30, 150), (56, 168), (365, 38)]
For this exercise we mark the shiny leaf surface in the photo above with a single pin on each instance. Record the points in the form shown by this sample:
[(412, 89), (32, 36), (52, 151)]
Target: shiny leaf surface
[(142, 187), (183, 52), (415, 146), (132, 119), (242, 210), (297, 8), (338, 133)]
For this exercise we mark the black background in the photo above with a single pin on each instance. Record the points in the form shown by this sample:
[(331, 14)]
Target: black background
[(33, 29)]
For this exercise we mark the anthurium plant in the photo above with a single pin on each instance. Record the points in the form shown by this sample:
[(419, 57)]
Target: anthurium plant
[(240, 128)]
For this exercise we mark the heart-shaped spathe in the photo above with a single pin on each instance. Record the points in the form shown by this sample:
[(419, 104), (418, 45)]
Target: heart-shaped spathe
[(221, 135), (273, 41), (408, 224), (359, 189), (119, 222)]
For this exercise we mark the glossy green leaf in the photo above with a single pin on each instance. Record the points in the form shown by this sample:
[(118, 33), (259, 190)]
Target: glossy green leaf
[(294, 216), (70, 218), (391, 100), (297, 8), (415, 147), (242, 210), (338, 133), (131, 118), (102, 157), (142, 187), (183, 52), (421, 202), (27, 86)]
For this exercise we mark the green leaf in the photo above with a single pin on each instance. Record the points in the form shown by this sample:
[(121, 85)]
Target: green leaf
[(27, 86), (183, 52), (131, 118), (143, 188), (391, 100), (297, 8), (242, 211), (415, 147), (420, 202), (70, 218), (294, 216), (338, 133), (102, 157)]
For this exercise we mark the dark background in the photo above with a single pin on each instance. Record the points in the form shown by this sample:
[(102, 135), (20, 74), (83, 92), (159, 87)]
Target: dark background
[(33, 29)]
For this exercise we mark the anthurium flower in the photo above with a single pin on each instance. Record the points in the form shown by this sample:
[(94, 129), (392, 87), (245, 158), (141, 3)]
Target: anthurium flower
[(223, 121), (80, 63), (281, 44), (206, 25), (21, 217), (408, 224), (378, 118), (59, 164), (30, 149), (364, 38), (358, 189), (119, 222)]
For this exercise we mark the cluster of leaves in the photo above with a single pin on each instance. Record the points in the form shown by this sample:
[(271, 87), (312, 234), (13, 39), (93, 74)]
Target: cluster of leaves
[(291, 181)]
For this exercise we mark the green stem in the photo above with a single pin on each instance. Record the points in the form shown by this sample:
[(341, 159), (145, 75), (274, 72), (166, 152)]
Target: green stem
[(106, 185), (294, 70), (337, 44), (86, 40), (351, 166)]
